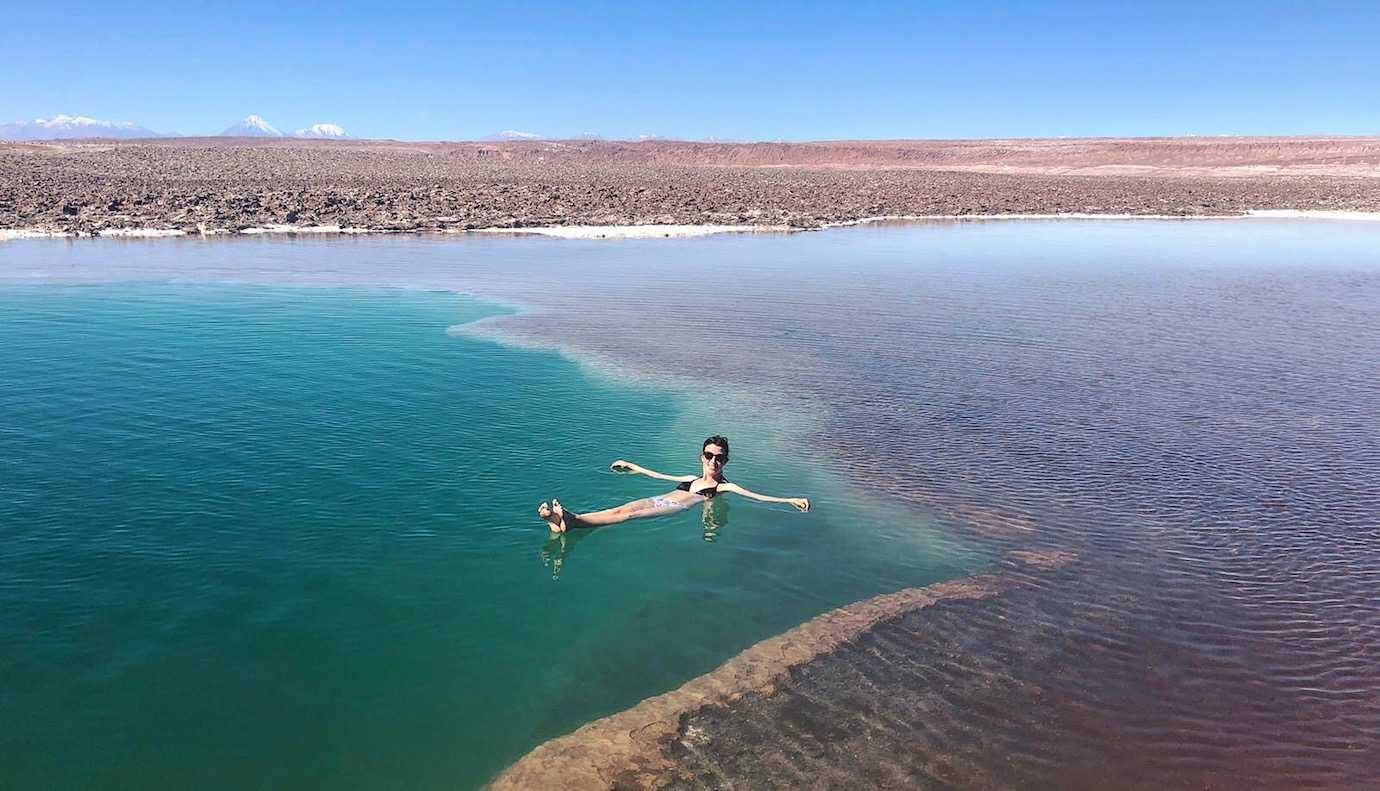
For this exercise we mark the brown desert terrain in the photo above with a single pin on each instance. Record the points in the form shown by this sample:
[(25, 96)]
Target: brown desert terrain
[(209, 184)]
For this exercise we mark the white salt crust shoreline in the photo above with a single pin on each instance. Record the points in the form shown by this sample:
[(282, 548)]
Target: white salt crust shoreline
[(685, 231), (634, 231), (304, 229), (1360, 216), (155, 233), (1277, 214)]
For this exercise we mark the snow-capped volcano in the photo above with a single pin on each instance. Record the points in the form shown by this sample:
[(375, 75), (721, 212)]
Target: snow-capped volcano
[(330, 131), (252, 126), (69, 127)]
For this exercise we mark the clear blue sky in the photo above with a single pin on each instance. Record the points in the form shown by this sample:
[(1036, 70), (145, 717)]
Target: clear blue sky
[(699, 70)]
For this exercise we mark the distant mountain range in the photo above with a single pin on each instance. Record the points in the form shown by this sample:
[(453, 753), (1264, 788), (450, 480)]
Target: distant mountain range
[(70, 127), (256, 126), (511, 135)]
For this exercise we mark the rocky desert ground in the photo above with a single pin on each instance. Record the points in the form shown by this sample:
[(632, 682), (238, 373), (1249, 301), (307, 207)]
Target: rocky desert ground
[(232, 184)]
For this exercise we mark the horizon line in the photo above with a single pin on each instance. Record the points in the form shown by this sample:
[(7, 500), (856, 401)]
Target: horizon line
[(537, 140)]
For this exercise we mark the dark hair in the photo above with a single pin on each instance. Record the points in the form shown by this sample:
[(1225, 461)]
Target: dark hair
[(717, 440)]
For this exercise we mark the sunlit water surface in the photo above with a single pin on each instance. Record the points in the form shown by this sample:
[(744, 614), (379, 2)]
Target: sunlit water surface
[(264, 534)]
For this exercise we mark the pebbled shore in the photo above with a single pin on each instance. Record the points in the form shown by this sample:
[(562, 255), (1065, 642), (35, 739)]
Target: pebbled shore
[(207, 185)]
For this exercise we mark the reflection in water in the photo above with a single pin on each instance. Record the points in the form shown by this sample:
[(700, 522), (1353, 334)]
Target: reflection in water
[(558, 547), (714, 518)]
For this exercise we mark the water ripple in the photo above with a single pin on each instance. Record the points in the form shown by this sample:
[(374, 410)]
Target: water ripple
[(1190, 409)]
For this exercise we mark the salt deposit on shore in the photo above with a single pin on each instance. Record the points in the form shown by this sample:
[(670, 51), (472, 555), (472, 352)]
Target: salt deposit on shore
[(1064, 216), (7, 234), (1363, 216), (685, 231), (634, 231), (141, 233), (1302, 214), (305, 229)]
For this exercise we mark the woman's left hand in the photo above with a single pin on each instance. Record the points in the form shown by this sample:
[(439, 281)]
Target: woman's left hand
[(801, 503)]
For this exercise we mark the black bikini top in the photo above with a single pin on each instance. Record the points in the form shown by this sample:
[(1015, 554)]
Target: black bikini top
[(708, 491)]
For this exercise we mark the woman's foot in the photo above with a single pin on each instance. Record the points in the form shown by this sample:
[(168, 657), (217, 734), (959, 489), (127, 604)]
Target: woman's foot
[(554, 516), (566, 519), (552, 519)]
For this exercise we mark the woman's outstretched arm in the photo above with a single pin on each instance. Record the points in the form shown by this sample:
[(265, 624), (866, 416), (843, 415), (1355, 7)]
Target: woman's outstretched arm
[(801, 503), (627, 466)]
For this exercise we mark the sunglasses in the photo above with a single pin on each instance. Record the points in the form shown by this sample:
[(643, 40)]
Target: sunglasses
[(721, 458)]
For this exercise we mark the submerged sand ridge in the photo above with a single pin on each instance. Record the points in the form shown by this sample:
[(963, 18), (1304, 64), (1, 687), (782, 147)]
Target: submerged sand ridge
[(635, 748), (199, 185)]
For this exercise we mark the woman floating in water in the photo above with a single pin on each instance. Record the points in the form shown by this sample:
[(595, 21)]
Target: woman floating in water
[(692, 489)]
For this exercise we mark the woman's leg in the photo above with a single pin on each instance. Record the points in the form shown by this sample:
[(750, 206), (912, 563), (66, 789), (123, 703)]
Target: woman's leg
[(562, 520)]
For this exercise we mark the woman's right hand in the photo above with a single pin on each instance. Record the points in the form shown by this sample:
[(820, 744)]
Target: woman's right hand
[(621, 466)]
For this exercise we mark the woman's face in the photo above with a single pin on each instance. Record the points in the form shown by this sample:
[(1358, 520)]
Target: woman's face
[(712, 459)]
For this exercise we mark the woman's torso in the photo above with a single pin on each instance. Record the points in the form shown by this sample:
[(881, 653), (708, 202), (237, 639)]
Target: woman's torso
[(701, 488)]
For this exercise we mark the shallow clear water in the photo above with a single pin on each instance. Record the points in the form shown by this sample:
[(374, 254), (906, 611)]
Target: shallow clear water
[(1189, 407), (286, 537)]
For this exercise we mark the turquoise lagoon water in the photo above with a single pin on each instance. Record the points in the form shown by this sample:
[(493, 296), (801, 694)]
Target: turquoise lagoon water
[(285, 537), (266, 506)]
